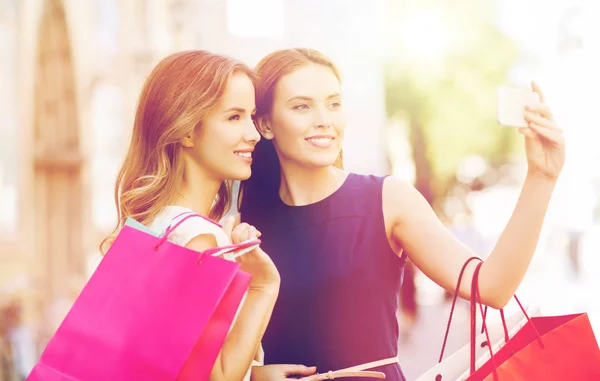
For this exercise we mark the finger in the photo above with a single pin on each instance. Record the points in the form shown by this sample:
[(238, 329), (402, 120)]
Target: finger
[(540, 108), (554, 136), (227, 225), (249, 233), (240, 233), (255, 232), (528, 132), (314, 377), (241, 228), (540, 120), (538, 90), (300, 370)]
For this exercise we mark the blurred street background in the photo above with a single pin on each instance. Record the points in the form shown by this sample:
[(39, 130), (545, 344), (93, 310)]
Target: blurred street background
[(419, 83)]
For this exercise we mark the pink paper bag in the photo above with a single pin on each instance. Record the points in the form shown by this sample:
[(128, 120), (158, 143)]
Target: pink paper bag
[(152, 310)]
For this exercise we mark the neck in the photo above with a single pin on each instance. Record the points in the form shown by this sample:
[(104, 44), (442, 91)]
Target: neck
[(305, 186), (199, 190)]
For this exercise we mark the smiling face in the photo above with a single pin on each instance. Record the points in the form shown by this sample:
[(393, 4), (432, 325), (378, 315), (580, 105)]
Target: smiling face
[(306, 122), (222, 145)]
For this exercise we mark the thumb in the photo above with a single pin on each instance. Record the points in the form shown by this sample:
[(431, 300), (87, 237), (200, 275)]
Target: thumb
[(537, 89), (297, 369)]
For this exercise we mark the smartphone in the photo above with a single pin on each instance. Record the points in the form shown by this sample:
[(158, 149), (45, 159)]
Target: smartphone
[(511, 105)]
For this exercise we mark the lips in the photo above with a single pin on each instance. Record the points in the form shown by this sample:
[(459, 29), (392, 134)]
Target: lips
[(321, 141), (244, 154)]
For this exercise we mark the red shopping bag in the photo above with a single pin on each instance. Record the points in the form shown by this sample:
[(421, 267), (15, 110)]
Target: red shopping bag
[(149, 310), (452, 367), (547, 348)]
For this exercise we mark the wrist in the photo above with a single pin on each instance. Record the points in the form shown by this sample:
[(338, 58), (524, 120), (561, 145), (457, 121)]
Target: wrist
[(540, 177), (270, 290)]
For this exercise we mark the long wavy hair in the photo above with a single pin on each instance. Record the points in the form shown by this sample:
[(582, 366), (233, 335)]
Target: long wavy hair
[(264, 183), (176, 97)]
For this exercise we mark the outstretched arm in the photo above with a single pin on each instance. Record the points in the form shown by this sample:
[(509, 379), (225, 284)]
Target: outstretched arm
[(412, 224)]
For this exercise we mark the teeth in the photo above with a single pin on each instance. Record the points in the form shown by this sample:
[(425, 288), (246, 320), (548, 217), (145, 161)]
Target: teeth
[(320, 140), (244, 154)]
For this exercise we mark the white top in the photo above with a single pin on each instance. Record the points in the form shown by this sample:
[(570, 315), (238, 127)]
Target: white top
[(188, 230)]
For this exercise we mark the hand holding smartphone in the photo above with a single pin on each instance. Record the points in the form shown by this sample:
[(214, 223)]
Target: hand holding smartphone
[(511, 105)]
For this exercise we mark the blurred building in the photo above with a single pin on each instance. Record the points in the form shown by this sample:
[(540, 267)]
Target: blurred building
[(71, 71)]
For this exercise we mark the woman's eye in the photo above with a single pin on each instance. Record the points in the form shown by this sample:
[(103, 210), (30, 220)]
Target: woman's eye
[(335, 105), (234, 117), (301, 107)]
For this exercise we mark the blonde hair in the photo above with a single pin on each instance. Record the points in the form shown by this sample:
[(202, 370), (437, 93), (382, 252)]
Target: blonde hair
[(177, 95)]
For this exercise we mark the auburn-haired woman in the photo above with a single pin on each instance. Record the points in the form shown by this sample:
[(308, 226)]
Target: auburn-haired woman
[(340, 239)]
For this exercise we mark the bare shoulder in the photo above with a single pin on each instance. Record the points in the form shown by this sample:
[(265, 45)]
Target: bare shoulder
[(407, 214), (403, 204), (202, 242), (393, 185), (398, 196)]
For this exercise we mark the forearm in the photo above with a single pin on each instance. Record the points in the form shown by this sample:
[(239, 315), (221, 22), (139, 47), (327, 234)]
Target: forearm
[(244, 338), (504, 269)]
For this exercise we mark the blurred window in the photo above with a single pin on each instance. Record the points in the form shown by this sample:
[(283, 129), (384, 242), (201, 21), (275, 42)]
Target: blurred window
[(9, 125), (257, 18)]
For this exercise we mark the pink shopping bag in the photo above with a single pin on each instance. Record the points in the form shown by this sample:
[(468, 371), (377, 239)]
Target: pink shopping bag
[(150, 310)]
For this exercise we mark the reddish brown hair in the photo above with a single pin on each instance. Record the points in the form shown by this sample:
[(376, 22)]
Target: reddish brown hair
[(176, 97)]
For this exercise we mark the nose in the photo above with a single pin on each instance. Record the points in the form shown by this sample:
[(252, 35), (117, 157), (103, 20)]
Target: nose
[(251, 134), (322, 118)]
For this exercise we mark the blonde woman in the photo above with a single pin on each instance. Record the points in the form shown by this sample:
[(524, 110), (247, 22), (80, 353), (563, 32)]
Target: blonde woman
[(194, 133)]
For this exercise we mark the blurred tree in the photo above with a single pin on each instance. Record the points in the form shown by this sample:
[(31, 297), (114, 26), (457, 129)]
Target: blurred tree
[(441, 77)]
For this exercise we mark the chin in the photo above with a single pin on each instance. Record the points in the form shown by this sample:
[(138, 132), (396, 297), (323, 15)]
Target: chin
[(240, 175), (321, 162), (324, 159)]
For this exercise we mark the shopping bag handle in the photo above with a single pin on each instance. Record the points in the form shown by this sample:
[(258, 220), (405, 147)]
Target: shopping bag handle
[(187, 216), (238, 249), (171, 228), (454, 299), (502, 317), (476, 299)]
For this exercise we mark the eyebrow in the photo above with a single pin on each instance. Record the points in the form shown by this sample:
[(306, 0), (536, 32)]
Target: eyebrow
[(305, 98), (237, 109)]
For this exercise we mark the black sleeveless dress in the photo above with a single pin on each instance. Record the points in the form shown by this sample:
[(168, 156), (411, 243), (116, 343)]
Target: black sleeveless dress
[(340, 280)]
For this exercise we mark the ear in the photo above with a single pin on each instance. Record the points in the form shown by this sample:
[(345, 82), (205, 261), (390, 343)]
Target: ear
[(263, 125), (188, 141)]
